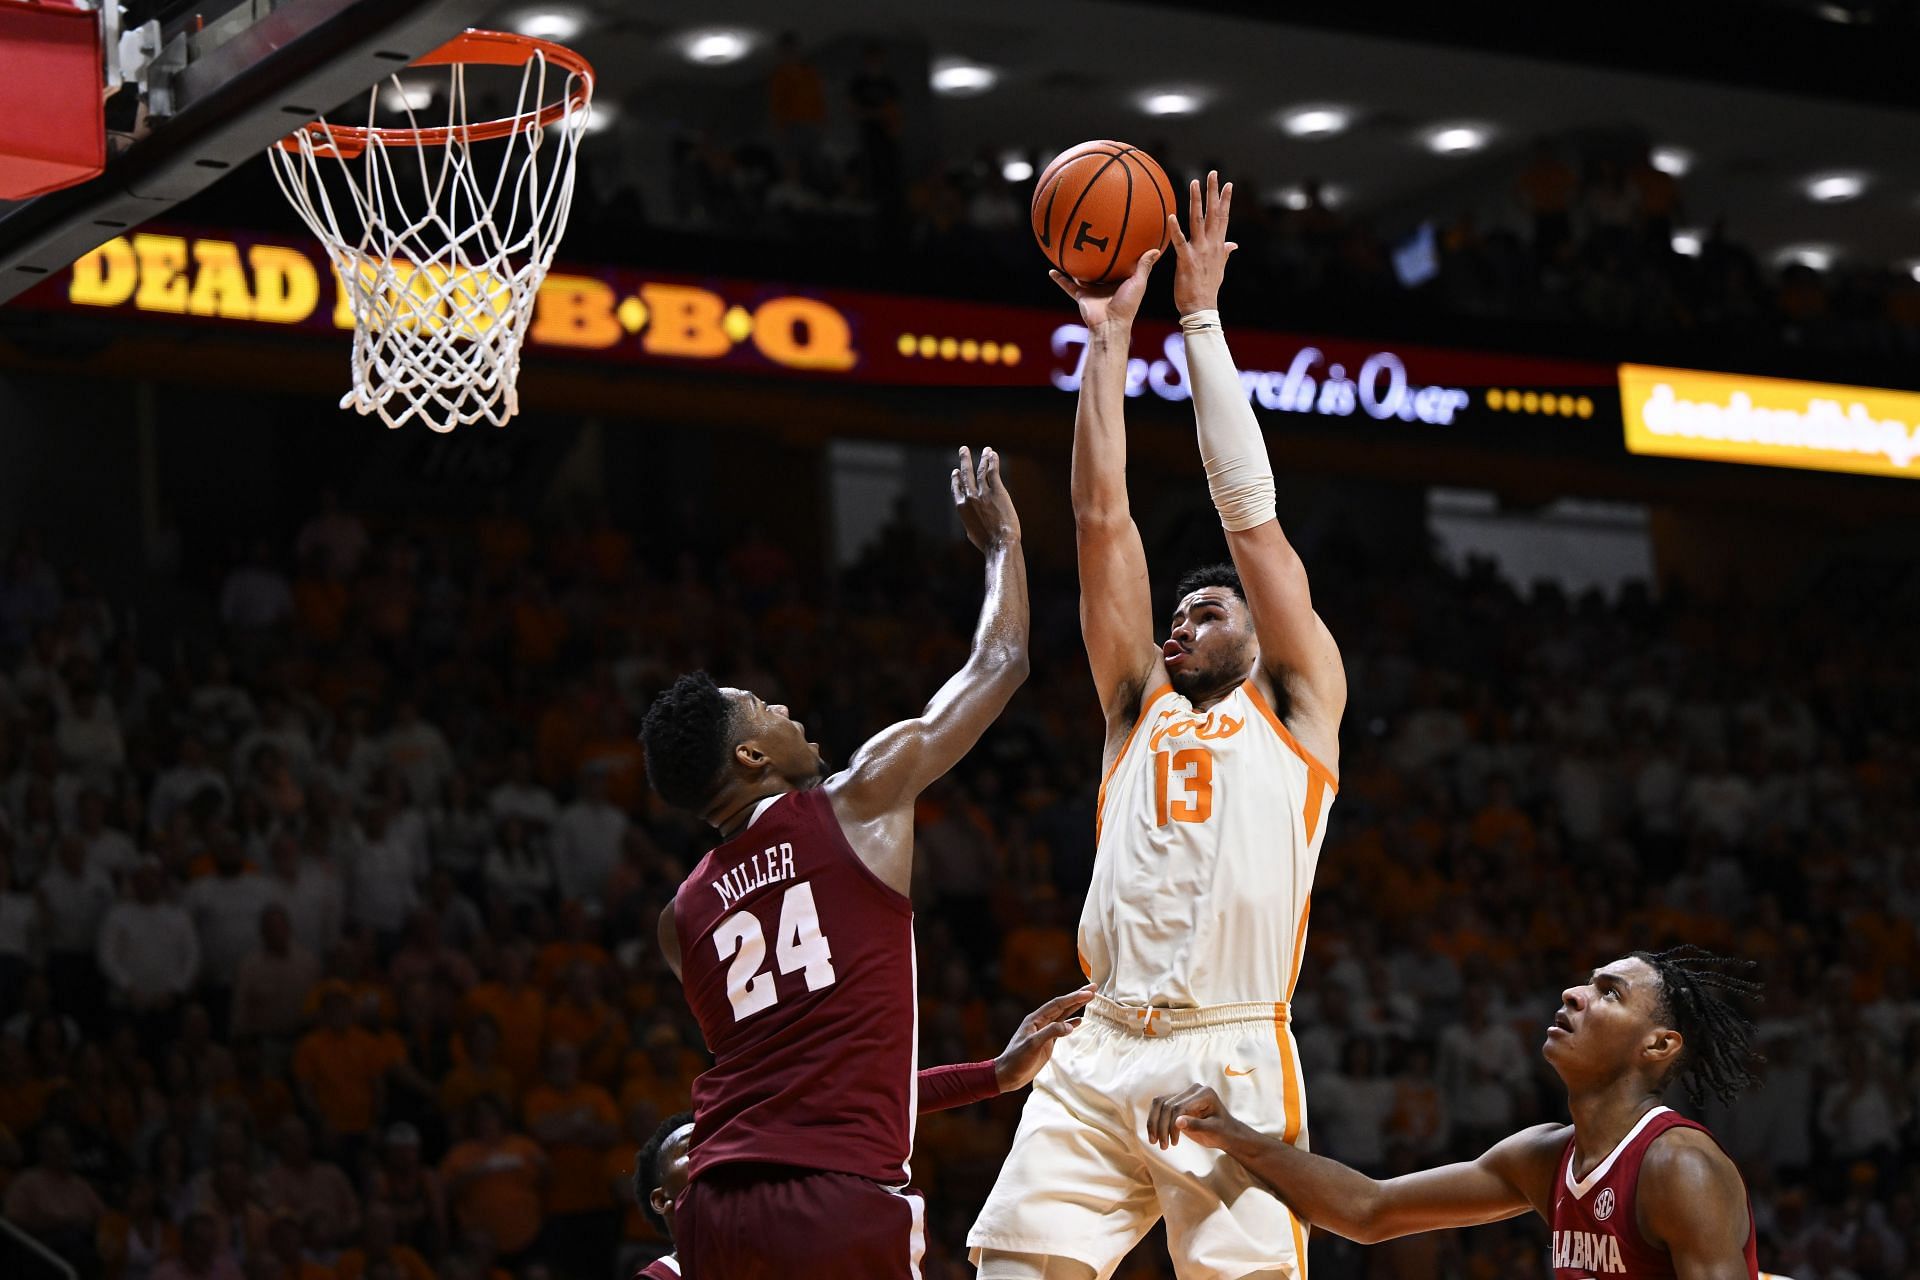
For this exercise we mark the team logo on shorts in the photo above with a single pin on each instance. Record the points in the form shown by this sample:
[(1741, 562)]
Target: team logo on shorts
[(1603, 1204)]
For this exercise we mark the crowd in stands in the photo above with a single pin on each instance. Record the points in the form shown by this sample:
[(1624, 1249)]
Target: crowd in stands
[(1576, 233), (325, 936)]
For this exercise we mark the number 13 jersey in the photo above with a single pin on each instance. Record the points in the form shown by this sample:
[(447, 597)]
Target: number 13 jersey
[(1209, 830), (799, 964)]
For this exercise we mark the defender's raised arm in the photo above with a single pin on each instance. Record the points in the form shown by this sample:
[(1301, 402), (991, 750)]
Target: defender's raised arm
[(878, 789)]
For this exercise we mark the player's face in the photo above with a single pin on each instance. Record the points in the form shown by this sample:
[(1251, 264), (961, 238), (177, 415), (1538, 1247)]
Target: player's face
[(1210, 642), (673, 1173), (1604, 1024), (780, 738)]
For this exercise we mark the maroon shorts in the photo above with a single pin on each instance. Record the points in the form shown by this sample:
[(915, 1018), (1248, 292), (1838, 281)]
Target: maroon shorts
[(779, 1222)]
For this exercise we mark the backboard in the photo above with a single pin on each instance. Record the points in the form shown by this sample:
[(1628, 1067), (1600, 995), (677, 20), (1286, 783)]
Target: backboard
[(199, 87)]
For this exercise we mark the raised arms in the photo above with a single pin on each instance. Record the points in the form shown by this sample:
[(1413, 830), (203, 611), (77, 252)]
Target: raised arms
[(1515, 1175), (1296, 650), (1116, 603), (873, 798)]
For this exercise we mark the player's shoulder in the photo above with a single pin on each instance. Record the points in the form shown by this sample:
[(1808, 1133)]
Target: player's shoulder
[(1530, 1160), (1686, 1160), (1536, 1143)]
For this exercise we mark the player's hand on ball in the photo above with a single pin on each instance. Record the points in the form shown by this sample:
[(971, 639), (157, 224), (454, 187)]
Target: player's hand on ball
[(981, 497), (1203, 253), (1196, 1113), (1032, 1044), (1102, 304)]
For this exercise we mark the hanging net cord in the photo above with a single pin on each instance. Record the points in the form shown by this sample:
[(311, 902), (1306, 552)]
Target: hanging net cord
[(441, 278)]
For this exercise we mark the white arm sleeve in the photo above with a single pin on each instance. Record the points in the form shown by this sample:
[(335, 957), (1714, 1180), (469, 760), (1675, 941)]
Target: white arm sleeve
[(1239, 474)]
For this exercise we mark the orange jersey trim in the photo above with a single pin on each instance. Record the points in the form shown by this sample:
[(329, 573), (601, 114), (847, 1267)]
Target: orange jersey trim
[(1100, 805), (1314, 767), (1289, 1077), (1299, 946)]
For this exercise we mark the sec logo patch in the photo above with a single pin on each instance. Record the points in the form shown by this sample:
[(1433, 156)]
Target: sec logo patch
[(1603, 1204)]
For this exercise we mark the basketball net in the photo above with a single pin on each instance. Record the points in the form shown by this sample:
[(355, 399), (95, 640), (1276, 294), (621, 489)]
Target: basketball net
[(441, 251)]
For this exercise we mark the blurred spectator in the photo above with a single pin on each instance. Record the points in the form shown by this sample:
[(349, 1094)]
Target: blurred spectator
[(57, 1204), (411, 1191), (273, 981), (586, 842), (495, 1179), (316, 1190), (380, 1246), (149, 952), (202, 1256), (340, 1071), (575, 1121)]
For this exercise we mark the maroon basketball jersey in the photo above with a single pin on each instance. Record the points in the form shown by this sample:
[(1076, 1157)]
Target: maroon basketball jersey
[(1595, 1232), (799, 964), (667, 1268)]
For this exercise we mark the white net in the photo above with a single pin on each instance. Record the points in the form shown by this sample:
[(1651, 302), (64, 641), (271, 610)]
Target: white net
[(441, 249)]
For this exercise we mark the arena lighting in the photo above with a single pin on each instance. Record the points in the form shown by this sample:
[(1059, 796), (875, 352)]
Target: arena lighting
[(715, 47), (561, 24), (600, 117), (1687, 243), (1295, 197), (958, 78), (1169, 102), (1836, 188), (1913, 269), (401, 96), (1015, 167), (1457, 139), (1672, 161), (1817, 256), (1315, 122)]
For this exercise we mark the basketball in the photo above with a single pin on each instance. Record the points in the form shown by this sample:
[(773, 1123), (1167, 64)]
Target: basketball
[(1098, 207)]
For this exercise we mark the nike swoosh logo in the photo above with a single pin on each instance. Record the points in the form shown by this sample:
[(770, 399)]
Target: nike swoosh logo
[(1249, 1071)]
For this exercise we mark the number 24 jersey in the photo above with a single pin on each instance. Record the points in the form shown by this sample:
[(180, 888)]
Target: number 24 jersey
[(798, 963)]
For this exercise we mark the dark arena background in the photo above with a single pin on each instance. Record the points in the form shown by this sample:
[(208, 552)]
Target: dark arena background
[(1589, 365)]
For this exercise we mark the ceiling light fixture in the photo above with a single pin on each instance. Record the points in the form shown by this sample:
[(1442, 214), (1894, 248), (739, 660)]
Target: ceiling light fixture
[(1457, 139), (398, 95), (959, 78), (1170, 102), (1688, 243), (1836, 188), (1316, 122), (1817, 256), (1015, 167), (561, 23), (600, 117), (716, 47), (1672, 161)]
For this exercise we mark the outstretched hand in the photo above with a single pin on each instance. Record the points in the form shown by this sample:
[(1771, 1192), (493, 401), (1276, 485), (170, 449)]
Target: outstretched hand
[(1202, 254), (1110, 303), (981, 497), (1196, 1113), (1032, 1044)]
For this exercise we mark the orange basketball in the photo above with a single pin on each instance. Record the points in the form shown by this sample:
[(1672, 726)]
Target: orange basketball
[(1098, 207)]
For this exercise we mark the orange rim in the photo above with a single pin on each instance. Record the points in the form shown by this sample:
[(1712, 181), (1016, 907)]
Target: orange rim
[(471, 48)]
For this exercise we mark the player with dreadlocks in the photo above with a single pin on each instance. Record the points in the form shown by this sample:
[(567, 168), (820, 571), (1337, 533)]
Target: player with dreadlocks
[(1630, 1188)]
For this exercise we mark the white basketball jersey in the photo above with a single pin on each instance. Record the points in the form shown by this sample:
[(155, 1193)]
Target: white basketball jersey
[(1209, 831)]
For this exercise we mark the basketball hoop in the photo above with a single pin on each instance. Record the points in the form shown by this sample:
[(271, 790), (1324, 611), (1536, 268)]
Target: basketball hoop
[(442, 262)]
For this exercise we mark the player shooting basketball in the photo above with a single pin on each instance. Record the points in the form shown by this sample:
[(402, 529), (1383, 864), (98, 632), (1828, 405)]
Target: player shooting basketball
[(1629, 1188), (794, 940), (1220, 755)]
